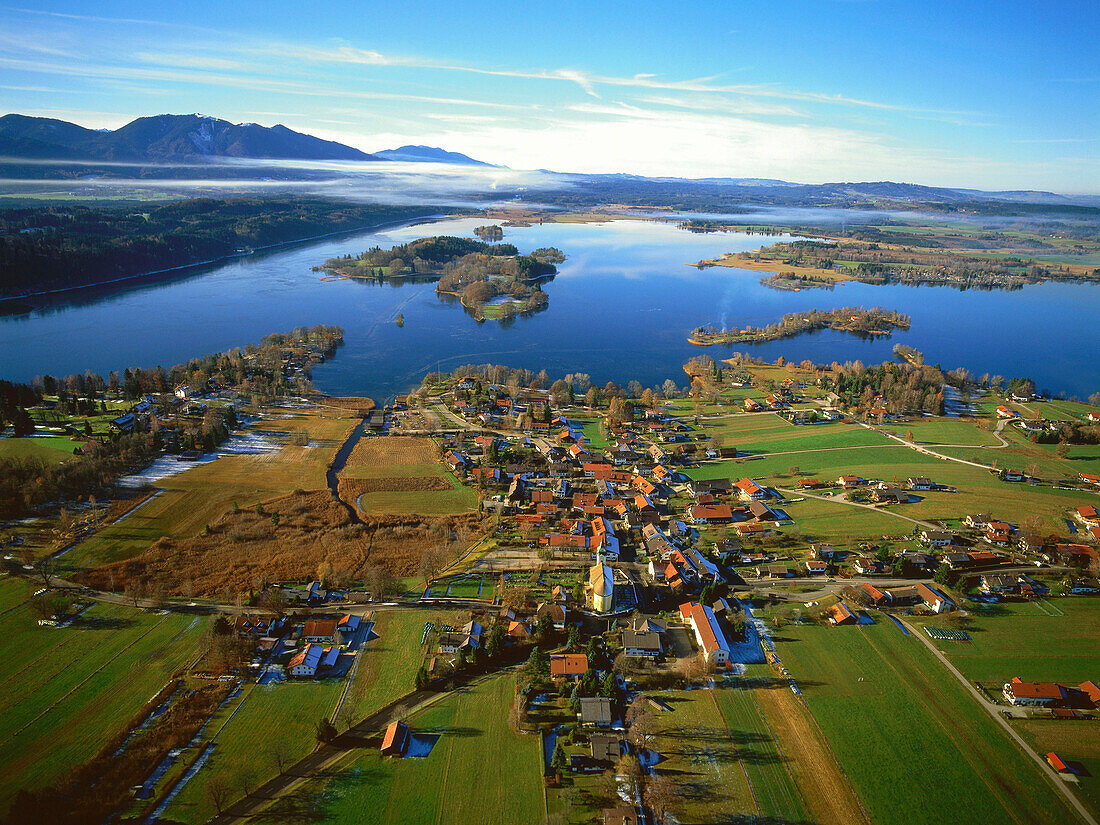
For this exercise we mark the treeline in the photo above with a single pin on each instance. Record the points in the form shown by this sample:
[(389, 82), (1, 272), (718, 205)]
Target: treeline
[(29, 482), (424, 256), (262, 370), (903, 387), (254, 368), (62, 247), (914, 264), (857, 320)]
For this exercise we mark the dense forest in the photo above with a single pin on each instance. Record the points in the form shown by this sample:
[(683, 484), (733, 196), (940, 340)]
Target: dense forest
[(61, 247)]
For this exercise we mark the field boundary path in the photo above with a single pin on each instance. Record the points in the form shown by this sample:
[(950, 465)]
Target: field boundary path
[(993, 711), (923, 449), (787, 492)]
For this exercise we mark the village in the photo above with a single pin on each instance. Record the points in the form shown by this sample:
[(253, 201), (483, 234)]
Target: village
[(635, 551)]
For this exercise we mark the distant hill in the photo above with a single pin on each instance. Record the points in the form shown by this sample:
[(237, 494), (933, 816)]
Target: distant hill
[(163, 139), (428, 154)]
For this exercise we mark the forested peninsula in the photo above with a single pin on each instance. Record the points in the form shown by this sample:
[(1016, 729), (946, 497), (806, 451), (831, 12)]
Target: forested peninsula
[(856, 320), (53, 248)]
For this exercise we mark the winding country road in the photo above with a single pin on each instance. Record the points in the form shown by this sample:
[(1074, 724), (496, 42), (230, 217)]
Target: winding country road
[(994, 711)]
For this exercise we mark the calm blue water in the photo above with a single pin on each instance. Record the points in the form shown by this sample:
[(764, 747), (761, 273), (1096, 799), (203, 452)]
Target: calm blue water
[(620, 308)]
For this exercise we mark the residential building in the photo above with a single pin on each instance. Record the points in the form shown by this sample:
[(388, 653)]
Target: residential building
[(712, 640), (570, 666), (595, 712)]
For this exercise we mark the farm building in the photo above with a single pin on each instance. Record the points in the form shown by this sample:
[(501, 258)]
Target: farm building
[(396, 739)]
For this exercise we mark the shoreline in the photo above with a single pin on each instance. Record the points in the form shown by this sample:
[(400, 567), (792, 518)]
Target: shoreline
[(222, 259)]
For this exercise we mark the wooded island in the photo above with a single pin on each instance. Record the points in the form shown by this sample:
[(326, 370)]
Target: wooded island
[(856, 320)]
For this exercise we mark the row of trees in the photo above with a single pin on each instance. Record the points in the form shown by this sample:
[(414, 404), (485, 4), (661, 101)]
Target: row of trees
[(852, 319)]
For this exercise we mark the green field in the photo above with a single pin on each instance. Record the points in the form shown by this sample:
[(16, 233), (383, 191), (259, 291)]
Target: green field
[(720, 752), (67, 690), (478, 770), (908, 735), (393, 459), (943, 431), (459, 499), (1075, 742), (774, 788), (48, 448), (245, 732), (387, 669), (772, 434), (1024, 639), (286, 714)]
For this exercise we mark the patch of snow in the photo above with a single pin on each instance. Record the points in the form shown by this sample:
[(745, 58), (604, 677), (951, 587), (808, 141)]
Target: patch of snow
[(244, 443)]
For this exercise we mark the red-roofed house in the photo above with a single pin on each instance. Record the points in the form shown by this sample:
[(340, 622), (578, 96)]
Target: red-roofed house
[(395, 740), (750, 489), (711, 639), (1044, 694), (710, 513), (320, 630), (569, 666), (840, 614)]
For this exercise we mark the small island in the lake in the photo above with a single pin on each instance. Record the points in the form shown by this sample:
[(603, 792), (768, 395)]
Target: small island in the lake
[(491, 281), (493, 232), (856, 320)]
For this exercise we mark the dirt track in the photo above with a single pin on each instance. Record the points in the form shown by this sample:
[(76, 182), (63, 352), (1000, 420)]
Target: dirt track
[(824, 787)]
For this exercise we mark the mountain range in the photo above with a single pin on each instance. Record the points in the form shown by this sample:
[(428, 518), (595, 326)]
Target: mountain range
[(178, 140), (163, 139), (428, 154)]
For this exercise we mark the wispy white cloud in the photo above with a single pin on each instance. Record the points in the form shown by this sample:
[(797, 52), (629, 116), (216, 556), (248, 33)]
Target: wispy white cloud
[(125, 21), (195, 61)]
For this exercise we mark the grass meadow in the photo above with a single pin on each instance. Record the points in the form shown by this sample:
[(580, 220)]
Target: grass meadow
[(892, 714), (67, 690), (478, 770)]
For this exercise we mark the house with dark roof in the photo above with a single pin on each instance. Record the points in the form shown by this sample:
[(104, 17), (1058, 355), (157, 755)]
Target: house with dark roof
[(606, 748), (642, 643), (595, 712)]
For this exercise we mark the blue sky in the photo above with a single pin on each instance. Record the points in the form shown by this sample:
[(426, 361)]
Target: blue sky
[(994, 95)]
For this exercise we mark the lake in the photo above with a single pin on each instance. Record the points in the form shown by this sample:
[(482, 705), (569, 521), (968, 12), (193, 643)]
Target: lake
[(620, 308)]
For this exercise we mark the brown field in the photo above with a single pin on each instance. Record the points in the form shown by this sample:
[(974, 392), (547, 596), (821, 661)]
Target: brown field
[(350, 402), (824, 787), (245, 549), (734, 260), (351, 488), (384, 454)]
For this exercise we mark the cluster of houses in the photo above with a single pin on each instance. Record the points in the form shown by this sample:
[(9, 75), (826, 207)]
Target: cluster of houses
[(928, 595), (160, 406), (1084, 696), (321, 643)]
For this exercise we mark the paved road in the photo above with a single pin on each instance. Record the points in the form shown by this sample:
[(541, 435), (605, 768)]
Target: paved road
[(995, 712)]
